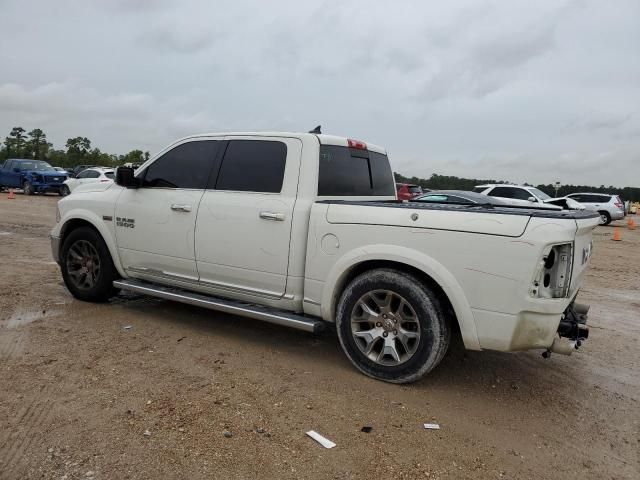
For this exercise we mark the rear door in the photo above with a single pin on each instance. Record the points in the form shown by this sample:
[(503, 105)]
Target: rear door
[(244, 220)]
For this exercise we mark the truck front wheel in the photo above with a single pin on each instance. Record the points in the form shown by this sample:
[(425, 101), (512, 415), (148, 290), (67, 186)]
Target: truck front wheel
[(392, 326), (87, 268), (27, 188)]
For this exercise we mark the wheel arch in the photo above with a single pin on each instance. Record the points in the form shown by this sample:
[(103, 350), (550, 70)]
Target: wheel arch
[(83, 221), (428, 270)]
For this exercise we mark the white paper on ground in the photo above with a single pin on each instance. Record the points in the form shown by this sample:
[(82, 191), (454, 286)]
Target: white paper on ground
[(432, 426), (320, 439)]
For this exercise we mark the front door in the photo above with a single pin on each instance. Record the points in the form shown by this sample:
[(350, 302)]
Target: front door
[(245, 217), (155, 224)]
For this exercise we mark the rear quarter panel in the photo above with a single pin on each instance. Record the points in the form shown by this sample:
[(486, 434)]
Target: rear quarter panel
[(489, 271)]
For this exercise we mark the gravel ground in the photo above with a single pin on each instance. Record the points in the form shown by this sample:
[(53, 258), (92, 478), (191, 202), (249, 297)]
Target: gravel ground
[(189, 393)]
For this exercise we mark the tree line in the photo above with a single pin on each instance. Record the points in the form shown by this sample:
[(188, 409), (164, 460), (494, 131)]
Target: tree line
[(34, 145), (446, 182), (78, 151)]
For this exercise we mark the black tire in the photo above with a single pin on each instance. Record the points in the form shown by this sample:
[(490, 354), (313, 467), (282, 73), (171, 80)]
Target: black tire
[(64, 191), (605, 218), (27, 188), (98, 285), (430, 322)]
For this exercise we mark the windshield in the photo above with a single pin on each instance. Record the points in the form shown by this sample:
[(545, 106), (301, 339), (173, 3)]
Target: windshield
[(34, 165), (539, 194), (109, 175)]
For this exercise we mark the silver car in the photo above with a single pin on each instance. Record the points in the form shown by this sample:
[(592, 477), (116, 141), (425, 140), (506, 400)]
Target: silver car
[(610, 207)]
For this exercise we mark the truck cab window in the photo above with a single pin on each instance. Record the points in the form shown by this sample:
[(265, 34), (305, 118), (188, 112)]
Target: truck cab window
[(353, 173), (253, 166), (186, 166)]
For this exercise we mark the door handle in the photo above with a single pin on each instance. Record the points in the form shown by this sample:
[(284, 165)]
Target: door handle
[(180, 208), (278, 217)]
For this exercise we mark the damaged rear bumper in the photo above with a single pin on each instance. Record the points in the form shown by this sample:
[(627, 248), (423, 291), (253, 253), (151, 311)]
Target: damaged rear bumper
[(572, 330)]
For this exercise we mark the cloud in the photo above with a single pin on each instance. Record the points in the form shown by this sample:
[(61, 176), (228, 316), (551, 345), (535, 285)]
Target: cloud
[(89, 112), (485, 59), (175, 38), (525, 91)]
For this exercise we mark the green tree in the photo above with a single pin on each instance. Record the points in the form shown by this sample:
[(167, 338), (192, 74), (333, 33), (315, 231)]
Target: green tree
[(77, 149), (58, 158), (15, 143), (37, 145), (134, 156)]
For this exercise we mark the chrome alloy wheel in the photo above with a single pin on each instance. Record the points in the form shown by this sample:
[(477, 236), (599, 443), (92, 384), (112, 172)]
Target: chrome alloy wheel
[(385, 327), (83, 264)]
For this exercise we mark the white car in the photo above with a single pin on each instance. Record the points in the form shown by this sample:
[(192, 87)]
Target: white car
[(304, 229), (609, 207), (90, 175), (525, 196)]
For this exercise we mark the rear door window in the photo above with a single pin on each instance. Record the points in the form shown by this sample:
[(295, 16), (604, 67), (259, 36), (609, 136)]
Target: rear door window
[(503, 192), (253, 166), (186, 166), (521, 194), (85, 174), (353, 172)]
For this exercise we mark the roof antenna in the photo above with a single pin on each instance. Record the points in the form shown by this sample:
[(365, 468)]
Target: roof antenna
[(315, 130)]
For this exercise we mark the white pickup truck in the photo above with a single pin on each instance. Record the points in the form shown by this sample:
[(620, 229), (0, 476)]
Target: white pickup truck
[(305, 230)]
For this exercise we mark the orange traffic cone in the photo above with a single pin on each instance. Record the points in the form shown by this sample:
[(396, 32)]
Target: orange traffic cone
[(631, 224), (616, 234), (11, 196)]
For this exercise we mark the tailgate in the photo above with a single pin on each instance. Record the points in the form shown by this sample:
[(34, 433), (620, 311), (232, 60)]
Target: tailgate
[(486, 222), (583, 248)]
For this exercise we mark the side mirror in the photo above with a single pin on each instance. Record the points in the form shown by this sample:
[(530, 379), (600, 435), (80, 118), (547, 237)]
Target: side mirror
[(16, 170), (532, 199), (125, 177)]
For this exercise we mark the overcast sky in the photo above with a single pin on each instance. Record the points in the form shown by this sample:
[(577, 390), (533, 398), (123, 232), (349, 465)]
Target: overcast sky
[(539, 91)]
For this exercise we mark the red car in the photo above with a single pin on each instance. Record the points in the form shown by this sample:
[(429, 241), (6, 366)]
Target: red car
[(407, 191)]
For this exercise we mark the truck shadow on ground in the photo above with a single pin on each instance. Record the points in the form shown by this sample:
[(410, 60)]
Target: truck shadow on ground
[(468, 371)]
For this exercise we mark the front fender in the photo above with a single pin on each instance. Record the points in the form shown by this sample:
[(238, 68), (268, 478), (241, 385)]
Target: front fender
[(413, 258), (97, 222)]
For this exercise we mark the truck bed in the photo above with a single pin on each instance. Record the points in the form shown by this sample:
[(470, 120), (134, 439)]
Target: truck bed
[(465, 207)]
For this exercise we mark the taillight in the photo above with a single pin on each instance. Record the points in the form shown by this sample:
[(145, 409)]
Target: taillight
[(553, 275), (619, 203), (105, 180), (356, 144)]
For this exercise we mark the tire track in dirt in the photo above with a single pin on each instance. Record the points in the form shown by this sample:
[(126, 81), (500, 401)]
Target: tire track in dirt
[(21, 433), (11, 343)]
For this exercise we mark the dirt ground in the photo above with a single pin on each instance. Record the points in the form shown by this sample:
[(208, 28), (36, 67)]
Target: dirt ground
[(78, 391)]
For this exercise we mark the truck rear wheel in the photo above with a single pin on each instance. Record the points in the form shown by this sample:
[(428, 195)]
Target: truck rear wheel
[(391, 326), (87, 268)]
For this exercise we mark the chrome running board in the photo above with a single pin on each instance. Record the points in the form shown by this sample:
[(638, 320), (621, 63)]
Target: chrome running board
[(259, 312)]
